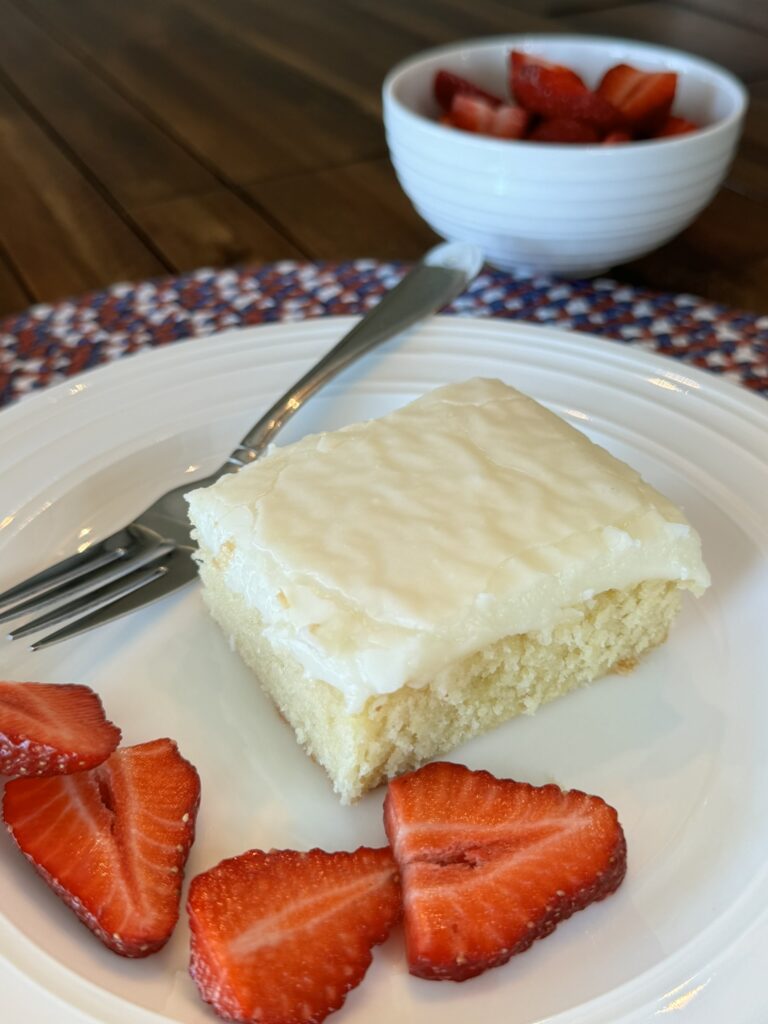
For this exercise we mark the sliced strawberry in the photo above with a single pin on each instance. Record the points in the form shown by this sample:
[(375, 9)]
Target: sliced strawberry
[(281, 937), (675, 126), (488, 865), (112, 842), (509, 121), (471, 114), (564, 129), (51, 729), (447, 85), (551, 90), (619, 135), (474, 114), (644, 98)]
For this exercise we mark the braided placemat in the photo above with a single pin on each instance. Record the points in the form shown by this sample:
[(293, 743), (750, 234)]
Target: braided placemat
[(48, 343)]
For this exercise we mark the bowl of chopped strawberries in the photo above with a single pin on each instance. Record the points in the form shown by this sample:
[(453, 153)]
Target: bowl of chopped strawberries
[(561, 154)]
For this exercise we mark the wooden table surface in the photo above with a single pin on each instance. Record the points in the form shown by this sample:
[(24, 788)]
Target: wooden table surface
[(153, 136)]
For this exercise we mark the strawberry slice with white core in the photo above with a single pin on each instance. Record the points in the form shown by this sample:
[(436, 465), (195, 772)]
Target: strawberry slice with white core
[(112, 842), (50, 729), (474, 114), (509, 122), (489, 865), (471, 114), (282, 937)]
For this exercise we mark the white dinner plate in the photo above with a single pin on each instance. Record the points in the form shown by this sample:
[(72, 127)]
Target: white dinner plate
[(679, 747)]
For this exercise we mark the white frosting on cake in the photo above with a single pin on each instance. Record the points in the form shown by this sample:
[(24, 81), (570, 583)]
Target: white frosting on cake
[(380, 553)]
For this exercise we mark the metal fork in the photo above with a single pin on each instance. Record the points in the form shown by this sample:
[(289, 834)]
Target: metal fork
[(150, 557)]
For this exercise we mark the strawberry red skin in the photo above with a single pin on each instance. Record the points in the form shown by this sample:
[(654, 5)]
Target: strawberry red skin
[(447, 85), (617, 136), (675, 126), (52, 729), (564, 129), (112, 842), (490, 865), (644, 98), (554, 91), (282, 937)]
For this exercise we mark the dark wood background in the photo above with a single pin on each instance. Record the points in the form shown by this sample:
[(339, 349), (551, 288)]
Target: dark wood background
[(141, 137)]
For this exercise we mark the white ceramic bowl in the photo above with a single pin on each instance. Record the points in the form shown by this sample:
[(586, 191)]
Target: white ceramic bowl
[(561, 209)]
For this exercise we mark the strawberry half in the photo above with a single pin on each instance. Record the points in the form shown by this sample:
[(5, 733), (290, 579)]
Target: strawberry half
[(112, 842), (474, 114), (489, 865), (51, 729), (281, 937), (644, 98), (551, 90), (447, 85)]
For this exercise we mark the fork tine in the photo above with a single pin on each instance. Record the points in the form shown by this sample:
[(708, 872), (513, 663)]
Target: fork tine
[(115, 547), (85, 584), (103, 596), (177, 570)]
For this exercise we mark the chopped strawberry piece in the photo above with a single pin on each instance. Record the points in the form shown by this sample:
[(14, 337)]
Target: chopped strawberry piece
[(675, 126), (51, 729), (644, 98), (619, 135), (281, 937), (112, 842), (564, 129), (488, 865), (509, 121), (473, 114), (447, 85), (551, 90)]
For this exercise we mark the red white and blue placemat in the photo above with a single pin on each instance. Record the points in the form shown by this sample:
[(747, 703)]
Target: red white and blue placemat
[(47, 343)]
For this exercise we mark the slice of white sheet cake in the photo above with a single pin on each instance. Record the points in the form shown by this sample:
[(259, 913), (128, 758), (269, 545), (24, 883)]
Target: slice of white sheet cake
[(404, 584)]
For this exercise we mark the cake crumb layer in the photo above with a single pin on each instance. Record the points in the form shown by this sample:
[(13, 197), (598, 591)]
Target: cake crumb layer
[(397, 732)]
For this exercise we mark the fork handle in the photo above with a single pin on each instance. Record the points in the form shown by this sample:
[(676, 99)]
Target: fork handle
[(440, 276)]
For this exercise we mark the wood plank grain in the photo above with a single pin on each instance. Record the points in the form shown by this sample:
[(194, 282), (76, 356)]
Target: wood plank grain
[(129, 154), (743, 52), (14, 295), (350, 54), (62, 234), (247, 114), (722, 255), (216, 229), (354, 211), (561, 8), (441, 21), (749, 174), (752, 14), (281, 99)]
